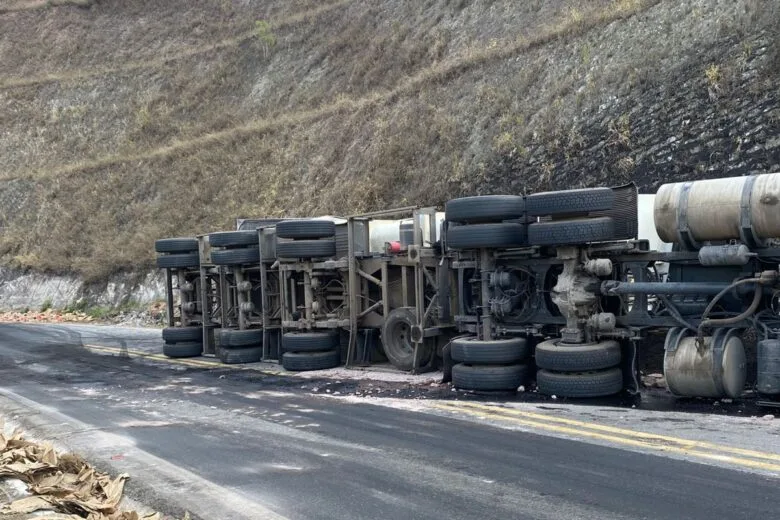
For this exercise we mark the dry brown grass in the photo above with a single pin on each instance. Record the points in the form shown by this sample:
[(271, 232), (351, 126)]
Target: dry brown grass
[(31, 5), (575, 24), (376, 104), (69, 76)]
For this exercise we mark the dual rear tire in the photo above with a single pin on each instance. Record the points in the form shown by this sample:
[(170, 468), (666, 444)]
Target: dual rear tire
[(486, 222), (305, 239), (234, 248), (496, 365), (573, 370), (182, 342), (240, 346), (177, 253), (316, 350)]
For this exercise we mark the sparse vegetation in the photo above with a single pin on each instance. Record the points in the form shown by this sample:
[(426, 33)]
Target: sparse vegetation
[(265, 35), (713, 75), (30, 5), (181, 127), (620, 132)]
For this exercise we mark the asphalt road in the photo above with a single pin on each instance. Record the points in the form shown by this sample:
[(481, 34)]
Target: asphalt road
[(261, 446)]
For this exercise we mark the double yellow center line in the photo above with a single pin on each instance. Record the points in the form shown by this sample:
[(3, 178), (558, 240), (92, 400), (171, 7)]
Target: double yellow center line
[(189, 362), (572, 428), (745, 458)]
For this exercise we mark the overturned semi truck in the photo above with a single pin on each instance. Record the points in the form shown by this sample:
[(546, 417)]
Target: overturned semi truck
[(562, 288)]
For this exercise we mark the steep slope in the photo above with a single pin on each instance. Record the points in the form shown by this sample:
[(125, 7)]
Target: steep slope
[(124, 121)]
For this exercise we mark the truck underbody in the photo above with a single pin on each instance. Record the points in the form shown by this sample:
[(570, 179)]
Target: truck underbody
[(501, 290)]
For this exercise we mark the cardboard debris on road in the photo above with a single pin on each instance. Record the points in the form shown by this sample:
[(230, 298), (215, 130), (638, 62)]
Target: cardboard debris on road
[(62, 483)]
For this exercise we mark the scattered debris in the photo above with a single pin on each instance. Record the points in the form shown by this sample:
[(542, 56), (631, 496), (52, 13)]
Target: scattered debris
[(47, 316), (655, 380), (152, 315), (60, 482)]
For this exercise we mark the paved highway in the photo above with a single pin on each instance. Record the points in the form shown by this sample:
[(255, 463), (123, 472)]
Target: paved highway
[(230, 444)]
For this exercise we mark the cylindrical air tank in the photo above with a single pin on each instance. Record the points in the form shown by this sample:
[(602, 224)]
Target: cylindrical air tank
[(719, 209)]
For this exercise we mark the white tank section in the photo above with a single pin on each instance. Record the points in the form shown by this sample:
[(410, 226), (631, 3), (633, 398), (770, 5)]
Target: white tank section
[(715, 210), (382, 231), (646, 230)]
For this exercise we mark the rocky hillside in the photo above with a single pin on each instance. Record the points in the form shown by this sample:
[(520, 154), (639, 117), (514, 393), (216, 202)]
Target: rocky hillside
[(122, 121)]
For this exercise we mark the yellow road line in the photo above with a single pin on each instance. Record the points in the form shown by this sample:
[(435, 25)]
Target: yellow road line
[(197, 363), (531, 420), (688, 443), (627, 441)]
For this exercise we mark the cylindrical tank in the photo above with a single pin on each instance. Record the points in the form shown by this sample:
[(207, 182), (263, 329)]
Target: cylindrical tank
[(716, 369), (713, 209), (768, 381), (731, 254)]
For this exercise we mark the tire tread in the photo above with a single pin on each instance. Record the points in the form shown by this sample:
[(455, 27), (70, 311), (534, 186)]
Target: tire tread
[(303, 361), (571, 232), (580, 384), (570, 201)]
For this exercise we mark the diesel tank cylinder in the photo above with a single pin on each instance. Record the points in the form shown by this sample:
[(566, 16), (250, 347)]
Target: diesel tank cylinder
[(715, 368), (736, 208)]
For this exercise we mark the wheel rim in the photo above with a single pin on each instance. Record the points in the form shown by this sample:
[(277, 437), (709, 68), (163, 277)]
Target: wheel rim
[(402, 337)]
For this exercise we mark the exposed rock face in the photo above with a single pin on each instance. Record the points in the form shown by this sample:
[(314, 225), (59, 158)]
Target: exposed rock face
[(33, 291)]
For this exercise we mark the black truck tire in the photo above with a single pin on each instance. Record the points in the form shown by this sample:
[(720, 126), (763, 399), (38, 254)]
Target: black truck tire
[(570, 201), (557, 356), (473, 351), (243, 256), (300, 361), (571, 232), (183, 349), (489, 377), (486, 208), (182, 334), (397, 338), (310, 229), (233, 239), (580, 384), (235, 356), (179, 261), (231, 338), (499, 235), (310, 341), (324, 248), (176, 245)]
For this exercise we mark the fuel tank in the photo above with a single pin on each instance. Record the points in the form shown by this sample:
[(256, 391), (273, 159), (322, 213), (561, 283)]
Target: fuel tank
[(746, 208), (717, 368)]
